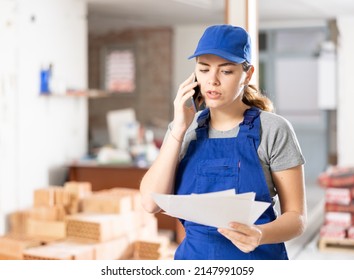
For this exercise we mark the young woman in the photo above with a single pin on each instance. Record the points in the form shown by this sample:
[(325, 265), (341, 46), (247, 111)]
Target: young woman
[(235, 143)]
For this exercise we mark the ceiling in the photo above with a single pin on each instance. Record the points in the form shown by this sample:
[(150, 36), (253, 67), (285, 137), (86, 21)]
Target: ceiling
[(114, 14)]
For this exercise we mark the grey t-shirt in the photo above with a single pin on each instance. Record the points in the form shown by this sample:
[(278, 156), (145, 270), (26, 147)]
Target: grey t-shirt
[(278, 150)]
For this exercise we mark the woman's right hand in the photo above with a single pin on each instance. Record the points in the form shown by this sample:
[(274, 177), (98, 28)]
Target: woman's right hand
[(160, 178), (183, 115)]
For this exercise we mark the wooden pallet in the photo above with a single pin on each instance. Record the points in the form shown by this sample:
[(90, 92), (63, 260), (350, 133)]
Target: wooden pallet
[(333, 244)]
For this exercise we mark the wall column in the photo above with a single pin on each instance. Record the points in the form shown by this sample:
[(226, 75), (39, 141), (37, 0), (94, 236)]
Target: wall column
[(244, 13), (345, 112)]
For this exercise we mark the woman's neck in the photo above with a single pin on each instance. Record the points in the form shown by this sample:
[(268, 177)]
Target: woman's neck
[(224, 120)]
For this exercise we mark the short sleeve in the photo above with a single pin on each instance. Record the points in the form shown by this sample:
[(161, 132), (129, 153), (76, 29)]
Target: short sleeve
[(281, 143)]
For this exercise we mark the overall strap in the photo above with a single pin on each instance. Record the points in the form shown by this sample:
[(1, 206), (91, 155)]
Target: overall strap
[(203, 124), (251, 125)]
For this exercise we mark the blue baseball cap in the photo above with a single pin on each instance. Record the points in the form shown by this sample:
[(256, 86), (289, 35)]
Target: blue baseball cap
[(229, 42)]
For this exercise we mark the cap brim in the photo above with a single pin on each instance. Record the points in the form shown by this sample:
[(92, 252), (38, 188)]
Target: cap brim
[(221, 53)]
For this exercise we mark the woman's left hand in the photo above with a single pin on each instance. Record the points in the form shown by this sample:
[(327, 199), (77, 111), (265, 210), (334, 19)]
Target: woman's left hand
[(246, 238)]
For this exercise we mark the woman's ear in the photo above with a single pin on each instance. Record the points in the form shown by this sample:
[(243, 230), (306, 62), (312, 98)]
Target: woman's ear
[(249, 74)]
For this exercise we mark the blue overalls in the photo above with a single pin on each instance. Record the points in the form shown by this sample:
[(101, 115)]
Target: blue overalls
[(219, 164)]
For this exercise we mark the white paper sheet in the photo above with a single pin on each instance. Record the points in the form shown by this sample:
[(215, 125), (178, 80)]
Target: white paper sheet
[(215, 209)]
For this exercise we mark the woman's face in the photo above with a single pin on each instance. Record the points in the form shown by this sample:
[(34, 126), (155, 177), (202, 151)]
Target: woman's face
[(220, 80)]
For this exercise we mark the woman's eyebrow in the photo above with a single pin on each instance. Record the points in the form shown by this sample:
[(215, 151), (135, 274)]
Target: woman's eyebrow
[(220, 65)]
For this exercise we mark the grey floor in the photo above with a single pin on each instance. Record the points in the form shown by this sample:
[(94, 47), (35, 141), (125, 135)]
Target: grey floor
[(306, 246)]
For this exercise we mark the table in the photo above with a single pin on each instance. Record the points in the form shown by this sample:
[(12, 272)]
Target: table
[(107, 176)]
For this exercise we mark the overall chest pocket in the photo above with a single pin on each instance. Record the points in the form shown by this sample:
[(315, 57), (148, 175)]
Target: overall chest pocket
[(217, 175)]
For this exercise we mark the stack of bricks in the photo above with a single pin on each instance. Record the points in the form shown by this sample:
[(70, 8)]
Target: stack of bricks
[(337, 230), (12, 246), (45, 220), (152, 248), (72, 223)]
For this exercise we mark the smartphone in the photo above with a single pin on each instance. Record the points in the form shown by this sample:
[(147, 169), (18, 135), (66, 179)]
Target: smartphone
[(197, 99)]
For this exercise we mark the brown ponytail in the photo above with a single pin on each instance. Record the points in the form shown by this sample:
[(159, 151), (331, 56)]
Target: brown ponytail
[(252, 97)]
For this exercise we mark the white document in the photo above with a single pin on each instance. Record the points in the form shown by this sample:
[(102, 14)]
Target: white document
[(215, 209)]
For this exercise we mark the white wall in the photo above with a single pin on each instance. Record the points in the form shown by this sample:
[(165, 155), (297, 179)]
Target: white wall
[(40, 134), (345, 100), (185, 41), (8, 116)]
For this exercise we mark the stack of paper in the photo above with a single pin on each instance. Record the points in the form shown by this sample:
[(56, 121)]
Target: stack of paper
[(215, 209)]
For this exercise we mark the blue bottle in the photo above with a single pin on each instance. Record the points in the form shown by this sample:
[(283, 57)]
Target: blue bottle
[(45, 75)]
